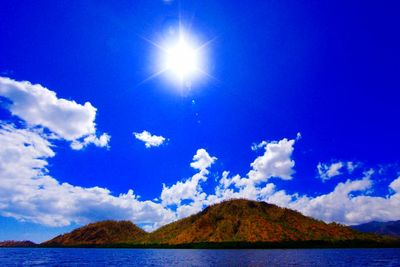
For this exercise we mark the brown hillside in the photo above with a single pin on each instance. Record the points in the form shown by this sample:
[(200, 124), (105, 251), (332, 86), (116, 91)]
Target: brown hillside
[(13, 243), (105, 232), (249, 221)]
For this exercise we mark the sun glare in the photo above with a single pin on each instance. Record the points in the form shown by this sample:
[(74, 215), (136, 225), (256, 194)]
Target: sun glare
[(181, 59)]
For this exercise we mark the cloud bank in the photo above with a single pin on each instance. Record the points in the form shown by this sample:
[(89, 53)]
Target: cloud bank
[(349, 203), (28, 192)]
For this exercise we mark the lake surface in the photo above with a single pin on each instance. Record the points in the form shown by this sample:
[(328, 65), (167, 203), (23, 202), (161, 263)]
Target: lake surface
[(197, 257)]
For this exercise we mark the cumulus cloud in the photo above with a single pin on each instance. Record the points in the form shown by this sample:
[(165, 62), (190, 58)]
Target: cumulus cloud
[(395, 185), (256, 146), (149, 139), (189, 189), (39, 106), (275, 162), (351, 166), (327, 171), (101, 141), (350, 202), (29, 193), (202, 160), (345, 206)]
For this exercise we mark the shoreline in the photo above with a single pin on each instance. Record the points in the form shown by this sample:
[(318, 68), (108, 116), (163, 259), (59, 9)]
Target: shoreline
[(240, 245)]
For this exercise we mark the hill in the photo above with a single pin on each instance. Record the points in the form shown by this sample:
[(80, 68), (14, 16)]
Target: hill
[(250, 221), (235, 223), (391, 228), (14, 244), (99, 233)]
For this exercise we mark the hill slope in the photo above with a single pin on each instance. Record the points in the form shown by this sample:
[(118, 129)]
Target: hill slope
[(99, 233), (13, 243), (250, 221), (381, 228)]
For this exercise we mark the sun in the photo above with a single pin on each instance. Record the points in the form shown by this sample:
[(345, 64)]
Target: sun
[(181, 59)]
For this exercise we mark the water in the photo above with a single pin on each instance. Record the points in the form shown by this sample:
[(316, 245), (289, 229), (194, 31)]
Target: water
[(197, 257)]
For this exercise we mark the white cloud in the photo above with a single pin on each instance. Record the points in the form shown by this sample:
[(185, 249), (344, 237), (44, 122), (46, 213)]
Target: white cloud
[(276, 162), (190, 189), (39, 106), (256, 146), (342, 205), (298, 136), (395, 185), (351, 166), (29, 193), (349, 202), (186, 190), (202, 160), (326, 171), (101, 141), (149, 139)]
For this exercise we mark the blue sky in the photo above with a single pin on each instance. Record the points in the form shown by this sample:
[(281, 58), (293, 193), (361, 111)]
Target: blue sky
[(315, 84)]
